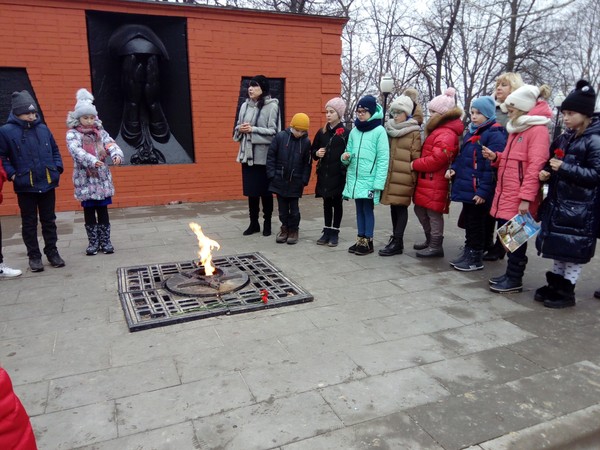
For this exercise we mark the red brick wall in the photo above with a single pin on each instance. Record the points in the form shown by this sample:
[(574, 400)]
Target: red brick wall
[(48, 38)]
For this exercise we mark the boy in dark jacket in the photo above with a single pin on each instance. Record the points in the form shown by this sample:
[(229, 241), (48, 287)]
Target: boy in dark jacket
[(288, 170), (32, 162)]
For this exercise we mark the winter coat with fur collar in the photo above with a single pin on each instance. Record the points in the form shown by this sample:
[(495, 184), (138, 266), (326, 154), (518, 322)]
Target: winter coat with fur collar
[(439, 150)]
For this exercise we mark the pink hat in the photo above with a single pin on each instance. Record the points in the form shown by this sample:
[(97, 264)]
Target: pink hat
[(443, 103), (339, 105)]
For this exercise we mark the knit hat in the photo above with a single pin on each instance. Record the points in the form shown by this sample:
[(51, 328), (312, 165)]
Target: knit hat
[(262, 82), (84, 105), (338, 105), (369, 103), (403, 104), (443, 103), (485, 105), (582, 99), (524, 98), (22, 103), (300, 122), (413, 95)]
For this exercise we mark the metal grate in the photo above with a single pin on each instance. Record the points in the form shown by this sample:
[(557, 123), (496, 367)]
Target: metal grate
[(148, 304)]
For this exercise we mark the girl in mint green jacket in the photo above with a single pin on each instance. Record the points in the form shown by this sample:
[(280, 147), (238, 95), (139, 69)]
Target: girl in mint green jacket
[(367, 157)]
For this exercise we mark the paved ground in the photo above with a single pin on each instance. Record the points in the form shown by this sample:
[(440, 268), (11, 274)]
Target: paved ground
[(394, 353)]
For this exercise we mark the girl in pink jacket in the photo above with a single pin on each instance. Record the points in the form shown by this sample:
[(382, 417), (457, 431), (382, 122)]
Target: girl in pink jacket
[(519, 165)]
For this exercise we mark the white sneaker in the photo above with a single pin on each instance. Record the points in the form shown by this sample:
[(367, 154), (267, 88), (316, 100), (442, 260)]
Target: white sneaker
[(7, 272)]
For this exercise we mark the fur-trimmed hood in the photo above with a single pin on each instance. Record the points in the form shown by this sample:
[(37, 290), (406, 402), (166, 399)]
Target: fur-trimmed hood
[(72, 122), (438, 120)]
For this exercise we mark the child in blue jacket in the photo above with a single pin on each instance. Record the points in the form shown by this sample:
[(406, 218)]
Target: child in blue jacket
[(474, 179)]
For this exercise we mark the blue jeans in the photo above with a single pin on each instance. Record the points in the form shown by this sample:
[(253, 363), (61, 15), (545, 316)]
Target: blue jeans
[(365, 217)]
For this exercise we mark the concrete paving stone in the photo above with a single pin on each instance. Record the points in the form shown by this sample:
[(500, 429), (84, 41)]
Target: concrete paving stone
[(259, 328), (155, 343), (381, 395), (33, 396), (484, 309), (10, 290), (481, 370), (333, 282), (323, 340), (27, 346), (563, 390), (116, 382), (423, 282), (481, 336), (75, 427), (175, 437), (575, 431), (301, 374), (402, 303), (412, 324), (51, 323), (346, 311), (362, 291), (265, 354), (169, 406), (390, 356), (460, 421), (548, 322), (396, 431), (30, 309), (324, 269), (267, 425)]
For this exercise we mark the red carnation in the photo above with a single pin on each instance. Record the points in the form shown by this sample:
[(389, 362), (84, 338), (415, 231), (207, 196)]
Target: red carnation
[(474, 139), (559, 153), (264, 295), (339, 131)]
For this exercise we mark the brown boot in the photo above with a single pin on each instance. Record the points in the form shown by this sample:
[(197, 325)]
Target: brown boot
[(292, 237), (282, 236)]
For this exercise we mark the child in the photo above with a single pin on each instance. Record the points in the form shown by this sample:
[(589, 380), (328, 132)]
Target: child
[(404, 134), (571, 212), (288, 170), (439, 150), (519, 165), (474, 182), (327, 148), (367, 157), (33, 163), (5, 271), (90, 145)]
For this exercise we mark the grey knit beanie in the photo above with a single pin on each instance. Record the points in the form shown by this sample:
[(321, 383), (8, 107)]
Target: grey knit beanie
[(84, 105), (22, 103)]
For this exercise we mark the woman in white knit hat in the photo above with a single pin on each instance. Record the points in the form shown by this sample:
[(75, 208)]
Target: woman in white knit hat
[(518, 185)]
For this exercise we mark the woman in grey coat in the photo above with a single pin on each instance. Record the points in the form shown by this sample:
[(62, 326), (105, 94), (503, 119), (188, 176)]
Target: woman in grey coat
[(258, 123)]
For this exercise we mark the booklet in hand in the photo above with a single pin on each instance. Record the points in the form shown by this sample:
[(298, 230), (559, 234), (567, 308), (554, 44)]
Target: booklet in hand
[(517, 231)]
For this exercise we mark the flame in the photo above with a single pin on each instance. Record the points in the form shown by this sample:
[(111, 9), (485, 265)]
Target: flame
[(206, 245)]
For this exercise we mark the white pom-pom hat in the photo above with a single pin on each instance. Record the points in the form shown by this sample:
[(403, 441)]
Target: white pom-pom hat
[(84, 105)]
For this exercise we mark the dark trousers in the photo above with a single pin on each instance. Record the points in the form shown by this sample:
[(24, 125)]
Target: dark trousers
[(475, 217), (399, 215), (32, 205), (333, 210), (89, 214), (289, 212), (254, 207), (517, 260)]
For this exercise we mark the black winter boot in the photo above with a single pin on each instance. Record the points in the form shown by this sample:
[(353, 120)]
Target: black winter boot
[(461, 257), (104, 235), (548, 292), (93, 239), (267, 226), (564, 297), (423, 245), (324, 239), (495, 253), (513, 282), (395, 246), (352, 248), (334, 234), (364, 247), (254, 210), (434, 249), (471, 262)]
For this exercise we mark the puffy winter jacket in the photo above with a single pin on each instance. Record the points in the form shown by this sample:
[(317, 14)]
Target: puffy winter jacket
[(439, 150), (400, 183), (15, 429), (519, 166), (570, 214), (29, 152), (368, 162), (331, 173), (474, 174), (288, 164)]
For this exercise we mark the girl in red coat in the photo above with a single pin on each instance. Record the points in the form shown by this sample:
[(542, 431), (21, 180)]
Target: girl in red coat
[(15, 429), (519, 165), (439, 150)]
